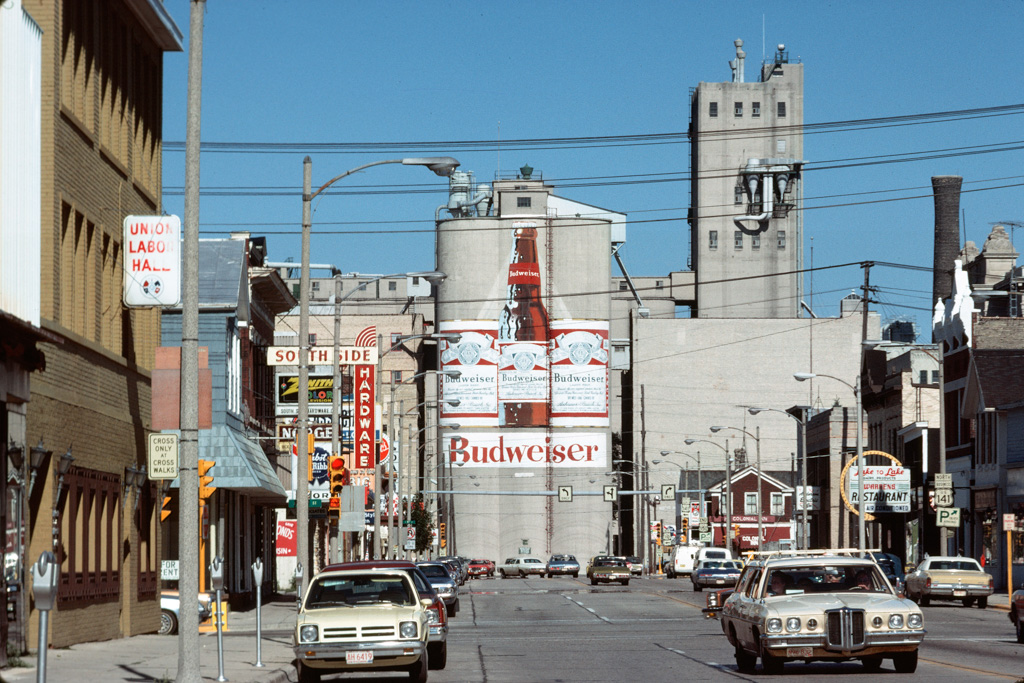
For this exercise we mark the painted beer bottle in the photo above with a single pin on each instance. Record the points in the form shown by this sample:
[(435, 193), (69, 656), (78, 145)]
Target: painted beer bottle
[(523, 338)]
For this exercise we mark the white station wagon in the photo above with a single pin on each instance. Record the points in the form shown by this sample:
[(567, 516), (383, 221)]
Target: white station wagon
[(833, 607), (362, 620)]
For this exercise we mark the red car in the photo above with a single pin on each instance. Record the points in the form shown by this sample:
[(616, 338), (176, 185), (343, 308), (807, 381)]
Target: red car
[(478, 568)]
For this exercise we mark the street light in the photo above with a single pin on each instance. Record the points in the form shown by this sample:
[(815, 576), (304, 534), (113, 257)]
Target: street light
[(804, 535), (760, 505), (728, 485), (804, 376), (442, 166)]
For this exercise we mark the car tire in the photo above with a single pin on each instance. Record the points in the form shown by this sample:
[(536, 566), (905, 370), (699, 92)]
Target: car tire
[(455, 608), (576, 575), (745, 662), (626, 582), (871, 664), (905, 662), (967, 602), (593, 581), (168, 623), (924, 600), (437, 655), (697, 589), (1020, 629), (770, 664), (306, 674), (502, 573), (418, 670), (983, 602)]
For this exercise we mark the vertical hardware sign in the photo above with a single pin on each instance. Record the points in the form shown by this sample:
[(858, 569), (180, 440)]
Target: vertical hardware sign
[(364, 390)]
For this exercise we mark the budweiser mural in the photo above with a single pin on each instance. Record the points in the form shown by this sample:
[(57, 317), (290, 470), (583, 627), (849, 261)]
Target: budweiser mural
[(526, 370), (524, 449)]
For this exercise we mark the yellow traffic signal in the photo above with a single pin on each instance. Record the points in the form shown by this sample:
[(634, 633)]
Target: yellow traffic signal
[(205, 489), (165, 511), (441, 535)]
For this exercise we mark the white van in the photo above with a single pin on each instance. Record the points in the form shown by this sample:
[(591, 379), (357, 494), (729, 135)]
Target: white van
[(683, 558), (713, 554)]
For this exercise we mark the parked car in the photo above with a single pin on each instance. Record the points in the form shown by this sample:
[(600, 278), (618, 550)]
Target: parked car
[(563, 564), (892, 568), (682, 561), (711, 553), (460, 564), (362, 620), (636, 565), (949, 578), (523, 567), (169, 610), (606, 569), (825, 607), (1017, 612), (442, 582), (437, 612), (715, 574), (478, 568)]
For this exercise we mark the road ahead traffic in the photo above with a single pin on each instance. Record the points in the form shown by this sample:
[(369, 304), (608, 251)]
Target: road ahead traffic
[(563, 629)]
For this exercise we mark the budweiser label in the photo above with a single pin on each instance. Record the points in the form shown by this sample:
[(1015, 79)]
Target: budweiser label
[(475, 357), (579, 373), (522, 373), (522, 448), (524, 274)]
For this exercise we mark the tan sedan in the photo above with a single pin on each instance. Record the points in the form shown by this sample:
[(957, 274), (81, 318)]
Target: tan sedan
[(949, 578)]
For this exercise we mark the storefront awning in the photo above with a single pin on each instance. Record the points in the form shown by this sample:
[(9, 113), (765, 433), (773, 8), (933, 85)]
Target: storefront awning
[(241, 466)]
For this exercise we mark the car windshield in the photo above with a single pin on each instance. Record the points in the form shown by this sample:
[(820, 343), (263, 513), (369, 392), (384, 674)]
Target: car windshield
[(478, 561), (956, 565), (611, 563), (531, 560), (358, 589), (824, 579), (435, 571)]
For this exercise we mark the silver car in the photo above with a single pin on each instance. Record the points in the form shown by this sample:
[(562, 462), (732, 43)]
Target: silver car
[(169, 605), (443, 583)]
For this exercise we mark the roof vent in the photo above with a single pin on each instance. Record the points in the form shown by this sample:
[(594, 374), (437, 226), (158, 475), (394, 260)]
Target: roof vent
[(526, 172)]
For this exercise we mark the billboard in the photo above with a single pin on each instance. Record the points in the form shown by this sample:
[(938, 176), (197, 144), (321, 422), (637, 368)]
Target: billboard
[(886, 488), (518, 449), (152, 262)]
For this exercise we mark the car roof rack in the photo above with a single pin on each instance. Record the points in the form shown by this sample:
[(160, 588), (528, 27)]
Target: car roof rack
[(817, 552)]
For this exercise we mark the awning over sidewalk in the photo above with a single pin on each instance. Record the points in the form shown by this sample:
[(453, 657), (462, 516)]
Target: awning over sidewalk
[(241, 466)]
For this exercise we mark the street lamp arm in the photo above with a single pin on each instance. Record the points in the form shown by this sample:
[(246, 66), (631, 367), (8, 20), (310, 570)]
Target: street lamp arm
[(804, 376), (442, 166), (350, 172), (718, 429), (690, 442)]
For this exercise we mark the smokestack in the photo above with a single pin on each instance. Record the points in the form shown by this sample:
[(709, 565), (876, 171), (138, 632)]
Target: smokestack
[(947, 233), (737, 64)]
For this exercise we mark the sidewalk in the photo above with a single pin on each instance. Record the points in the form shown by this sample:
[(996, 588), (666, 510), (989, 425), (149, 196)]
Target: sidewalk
[(155, 658)]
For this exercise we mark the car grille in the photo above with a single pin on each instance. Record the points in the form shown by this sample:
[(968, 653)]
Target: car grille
[(845, 628), (351, 632)]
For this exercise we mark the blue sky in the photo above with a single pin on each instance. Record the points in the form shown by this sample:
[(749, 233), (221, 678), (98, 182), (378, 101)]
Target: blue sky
[(306, 72)]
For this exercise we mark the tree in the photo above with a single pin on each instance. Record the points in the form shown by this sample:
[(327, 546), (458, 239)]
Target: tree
[(424, 524)]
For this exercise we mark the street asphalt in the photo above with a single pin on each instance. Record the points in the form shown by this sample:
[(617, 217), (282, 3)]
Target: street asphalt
[(153, 657)]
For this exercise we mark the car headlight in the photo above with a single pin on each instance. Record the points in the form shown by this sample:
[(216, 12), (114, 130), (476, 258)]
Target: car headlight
[(895, 621), (793, 624), (812, 624), (408, 629), (914, 620), (774, 625), (308, 633), (877, 622)]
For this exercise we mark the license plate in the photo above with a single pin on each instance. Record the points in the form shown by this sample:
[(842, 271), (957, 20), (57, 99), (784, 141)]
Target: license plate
[(361, 657), (799, 651), (959, 594), (719, 580)]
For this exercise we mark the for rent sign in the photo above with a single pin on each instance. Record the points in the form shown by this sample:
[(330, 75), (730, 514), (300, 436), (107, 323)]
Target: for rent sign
[(152, 261)]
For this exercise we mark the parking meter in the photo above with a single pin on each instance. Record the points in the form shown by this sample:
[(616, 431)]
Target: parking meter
[(44, 589), (217, 574), (257, 575), (298, 585)]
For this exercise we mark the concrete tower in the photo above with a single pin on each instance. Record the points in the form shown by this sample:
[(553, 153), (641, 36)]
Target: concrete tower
[(747, 150)]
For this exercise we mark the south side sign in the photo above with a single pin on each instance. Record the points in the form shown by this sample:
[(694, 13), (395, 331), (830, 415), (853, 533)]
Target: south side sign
[(323, 355)]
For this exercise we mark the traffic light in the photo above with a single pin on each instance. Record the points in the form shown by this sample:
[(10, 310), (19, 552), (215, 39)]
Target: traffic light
[(165, 511), (205, 490), (656, 532), (339, 477), (684, 530), (442, 539)]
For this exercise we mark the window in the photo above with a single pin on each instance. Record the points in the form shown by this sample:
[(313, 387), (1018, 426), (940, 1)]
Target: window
[(738, 239), (316, 285), (396, 376), (523, 202), (396, 338), (935, 376), (778, 505), (312, 338), (659, 284), (923, 377), (750, 504), (392, 286), (737, 195), (738, 109), (623, 286), (713, 110), (781, 110), (782, 239), (755, 109), (712, 239), (755, 241), (90, 537)]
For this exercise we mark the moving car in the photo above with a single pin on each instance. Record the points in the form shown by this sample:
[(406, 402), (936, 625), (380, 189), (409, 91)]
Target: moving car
[(715, 574), (437, 612), (478, 568), (523, 567), (949, 578), (636, 565), (682, 561), (715, 600), (1017, 612), (802, 607), (442, 582), (892, 568), (605, 569), (362, 620), (563, 564), (169, 614)]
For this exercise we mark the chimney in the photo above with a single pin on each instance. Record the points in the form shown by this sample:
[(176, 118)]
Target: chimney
[(947, 233)]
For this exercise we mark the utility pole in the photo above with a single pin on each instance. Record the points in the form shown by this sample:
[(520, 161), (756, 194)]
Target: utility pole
[(301, 474), (188, 491), (859, 390)]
